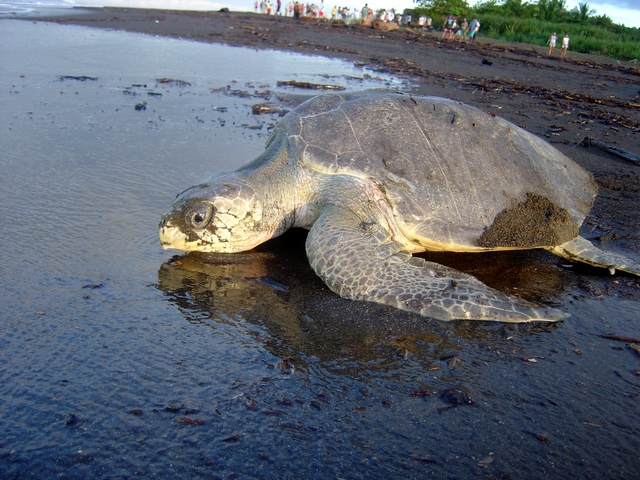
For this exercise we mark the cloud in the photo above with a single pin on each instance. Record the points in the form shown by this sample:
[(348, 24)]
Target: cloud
[(625, 12), (621, 4)]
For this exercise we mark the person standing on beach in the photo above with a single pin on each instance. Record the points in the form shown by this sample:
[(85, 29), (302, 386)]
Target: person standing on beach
[(474, 26), (552, 43), (464, 30), (447, 27), (565, 46)]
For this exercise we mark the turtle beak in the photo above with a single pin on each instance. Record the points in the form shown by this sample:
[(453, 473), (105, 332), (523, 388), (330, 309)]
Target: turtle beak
[(171, 236)]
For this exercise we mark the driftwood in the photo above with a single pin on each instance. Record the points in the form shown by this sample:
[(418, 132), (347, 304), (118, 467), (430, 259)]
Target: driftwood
[(312, 86), (589, 142), (180, 83), (612, 336), (81, 78), (267, 109)]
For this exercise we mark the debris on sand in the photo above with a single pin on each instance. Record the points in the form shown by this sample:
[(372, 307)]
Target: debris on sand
[(190, 421), (179, 83), (613, 336), (308, 85), (632, 343), (612, 149), (80, 78), (267, 108)]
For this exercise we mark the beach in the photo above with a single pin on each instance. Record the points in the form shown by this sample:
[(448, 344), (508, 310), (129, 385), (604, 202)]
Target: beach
[(516, 81), (121, 359)]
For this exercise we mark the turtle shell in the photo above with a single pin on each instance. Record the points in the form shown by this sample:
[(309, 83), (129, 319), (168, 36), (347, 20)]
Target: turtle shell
[(457, 178)]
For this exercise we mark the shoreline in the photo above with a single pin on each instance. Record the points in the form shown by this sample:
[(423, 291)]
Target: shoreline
[(526, 49), (100, 14), (488, 74)]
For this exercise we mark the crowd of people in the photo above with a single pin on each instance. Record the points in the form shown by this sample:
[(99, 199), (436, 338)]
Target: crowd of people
[(292, 9), (346, 14), (452, 28), (462, 31), (362, 15)]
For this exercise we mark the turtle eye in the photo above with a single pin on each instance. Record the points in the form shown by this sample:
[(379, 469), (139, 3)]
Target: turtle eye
[(198, 217)]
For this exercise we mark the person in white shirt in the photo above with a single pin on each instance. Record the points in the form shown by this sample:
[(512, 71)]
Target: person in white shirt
[(552, 43), (565, 46)]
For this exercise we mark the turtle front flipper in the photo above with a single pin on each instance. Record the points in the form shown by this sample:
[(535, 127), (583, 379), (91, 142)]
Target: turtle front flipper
[(358, 260), (582, 250)]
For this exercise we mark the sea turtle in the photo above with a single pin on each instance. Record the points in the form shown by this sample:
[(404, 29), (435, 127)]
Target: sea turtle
[(377, 176)]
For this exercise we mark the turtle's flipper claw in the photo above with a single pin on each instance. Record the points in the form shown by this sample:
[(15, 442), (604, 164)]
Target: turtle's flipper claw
[(582, 250)]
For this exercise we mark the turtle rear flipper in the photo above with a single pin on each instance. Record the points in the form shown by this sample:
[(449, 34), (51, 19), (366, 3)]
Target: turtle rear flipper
[(582, 250), (358, 260)]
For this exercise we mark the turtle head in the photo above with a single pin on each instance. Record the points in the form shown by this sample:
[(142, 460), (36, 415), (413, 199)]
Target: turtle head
[(222, 215)]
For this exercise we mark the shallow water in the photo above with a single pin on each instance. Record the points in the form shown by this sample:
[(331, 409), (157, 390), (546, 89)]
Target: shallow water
[(120, 359)]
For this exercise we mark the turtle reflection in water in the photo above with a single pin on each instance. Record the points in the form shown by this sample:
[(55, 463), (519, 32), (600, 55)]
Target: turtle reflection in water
[(377, 176)]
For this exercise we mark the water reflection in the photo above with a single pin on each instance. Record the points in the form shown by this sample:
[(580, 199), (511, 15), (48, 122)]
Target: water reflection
[(273, 287), (534, 275)]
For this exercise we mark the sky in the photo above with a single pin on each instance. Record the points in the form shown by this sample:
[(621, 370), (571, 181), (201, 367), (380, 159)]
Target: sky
[(626, 12)]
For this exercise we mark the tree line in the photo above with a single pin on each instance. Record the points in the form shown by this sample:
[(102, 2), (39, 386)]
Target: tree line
[(533, 22)]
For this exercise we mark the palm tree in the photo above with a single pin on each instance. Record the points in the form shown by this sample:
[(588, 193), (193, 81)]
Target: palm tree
[(516, 7), (582, 12), (551, 10)]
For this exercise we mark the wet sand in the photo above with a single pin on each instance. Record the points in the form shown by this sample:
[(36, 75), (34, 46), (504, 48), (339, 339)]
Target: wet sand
[(586, 95)]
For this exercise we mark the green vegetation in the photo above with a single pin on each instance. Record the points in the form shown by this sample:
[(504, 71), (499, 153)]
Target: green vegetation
[(533, 22)]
